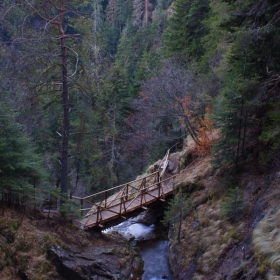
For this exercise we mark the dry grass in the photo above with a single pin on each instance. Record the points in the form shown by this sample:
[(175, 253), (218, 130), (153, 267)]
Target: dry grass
[(23, 249), (210, 239), (24, 243), (266, 236), (266, 240)]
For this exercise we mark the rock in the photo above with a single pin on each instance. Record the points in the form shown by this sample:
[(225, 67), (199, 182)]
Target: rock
[(194, 224), (171, 166), (146, 217), (98, 263)]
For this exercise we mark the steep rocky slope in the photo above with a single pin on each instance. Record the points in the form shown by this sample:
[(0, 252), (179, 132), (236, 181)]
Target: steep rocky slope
[(35, 248), (214, 247)]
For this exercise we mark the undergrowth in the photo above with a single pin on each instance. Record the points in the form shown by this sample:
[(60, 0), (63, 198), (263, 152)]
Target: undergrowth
[(266, 240), (23, 249)]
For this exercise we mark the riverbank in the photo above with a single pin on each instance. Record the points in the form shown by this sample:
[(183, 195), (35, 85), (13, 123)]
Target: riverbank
[(33, 247)]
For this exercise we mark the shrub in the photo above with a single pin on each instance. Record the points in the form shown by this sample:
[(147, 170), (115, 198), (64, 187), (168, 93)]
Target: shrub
[(233, 205)]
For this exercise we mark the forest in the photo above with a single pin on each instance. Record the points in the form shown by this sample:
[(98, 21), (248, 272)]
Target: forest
[(92, 92), (95, 92)]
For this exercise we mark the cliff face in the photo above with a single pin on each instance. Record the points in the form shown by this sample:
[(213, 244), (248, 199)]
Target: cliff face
[(215, 247), (33, 247)]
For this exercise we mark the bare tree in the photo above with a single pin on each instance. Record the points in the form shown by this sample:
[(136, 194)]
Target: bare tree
[(172, 94)]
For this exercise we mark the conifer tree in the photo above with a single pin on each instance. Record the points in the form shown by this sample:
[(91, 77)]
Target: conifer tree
[(186, 28), (50, 77), (247, 82), (178, 209), (20, 165)]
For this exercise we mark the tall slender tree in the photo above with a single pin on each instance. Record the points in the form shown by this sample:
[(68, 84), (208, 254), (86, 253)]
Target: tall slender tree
[(54, 13), (46, 65)]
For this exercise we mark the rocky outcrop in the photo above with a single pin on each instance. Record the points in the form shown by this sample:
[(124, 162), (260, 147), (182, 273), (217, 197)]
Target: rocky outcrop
[(146, 217), (98, 263)]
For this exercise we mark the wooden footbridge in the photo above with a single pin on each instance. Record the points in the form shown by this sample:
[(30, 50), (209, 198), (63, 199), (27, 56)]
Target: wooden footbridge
[(118, 202)]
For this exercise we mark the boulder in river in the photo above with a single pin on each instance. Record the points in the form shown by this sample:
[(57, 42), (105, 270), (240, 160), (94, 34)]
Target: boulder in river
[(145, 217), (98, 263)]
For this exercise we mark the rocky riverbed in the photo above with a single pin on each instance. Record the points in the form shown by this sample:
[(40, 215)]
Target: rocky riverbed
[(100, 263), (149, 238)]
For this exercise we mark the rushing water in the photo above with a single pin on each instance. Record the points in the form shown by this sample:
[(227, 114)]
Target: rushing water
[(152, 244), (155, 257)]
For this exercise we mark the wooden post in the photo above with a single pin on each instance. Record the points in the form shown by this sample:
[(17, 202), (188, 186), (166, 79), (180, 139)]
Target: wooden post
[(82, 206), (121, 206), (142, 193), (105, 199), (124, 208), (126, 192), (159, 186), (97, 215)]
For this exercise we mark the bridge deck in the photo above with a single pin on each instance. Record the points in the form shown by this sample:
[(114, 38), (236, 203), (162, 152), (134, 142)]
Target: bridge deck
[(117, 202), (144, 198)]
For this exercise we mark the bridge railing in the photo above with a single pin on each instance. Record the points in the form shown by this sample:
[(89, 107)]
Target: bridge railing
[(116, 195), (119, 198), (124, 204)]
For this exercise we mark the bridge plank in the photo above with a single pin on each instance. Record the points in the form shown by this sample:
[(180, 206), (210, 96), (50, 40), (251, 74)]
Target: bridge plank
[(113, 212)]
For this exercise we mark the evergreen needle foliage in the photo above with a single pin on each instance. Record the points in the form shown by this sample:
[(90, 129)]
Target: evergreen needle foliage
[(20, 164), (233, 205), (178, 209)]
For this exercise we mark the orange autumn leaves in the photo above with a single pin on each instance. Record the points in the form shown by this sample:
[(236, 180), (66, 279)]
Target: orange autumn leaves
[(202, 126), (205, 126)]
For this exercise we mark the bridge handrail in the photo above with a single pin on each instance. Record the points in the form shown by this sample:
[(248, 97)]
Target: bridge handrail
[(127, 190), (124, 196), (120, 186)]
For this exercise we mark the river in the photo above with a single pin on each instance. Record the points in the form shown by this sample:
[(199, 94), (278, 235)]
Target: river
[(151, 242)]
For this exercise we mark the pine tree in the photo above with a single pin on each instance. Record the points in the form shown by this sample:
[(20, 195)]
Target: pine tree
[(233, 205), (178, 208), (20, 165), (185, 29), (53, 87), (247, 82)]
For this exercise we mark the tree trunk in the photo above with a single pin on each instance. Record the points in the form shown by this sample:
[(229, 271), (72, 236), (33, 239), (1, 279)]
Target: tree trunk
[(65, 104), (180, 227), (239, 135), (146, 12), (65, 135), (244, 132)]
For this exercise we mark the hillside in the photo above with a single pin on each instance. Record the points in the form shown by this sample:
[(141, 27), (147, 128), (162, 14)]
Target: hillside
[(232, 240), (33, 247)]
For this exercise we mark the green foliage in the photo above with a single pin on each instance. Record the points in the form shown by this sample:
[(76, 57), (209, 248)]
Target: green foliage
[(20, 164), (236, 105), (70, 208), (178, 208), (185, 29), (13, 226), (271, 130), (233, 205), (117, 13)]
